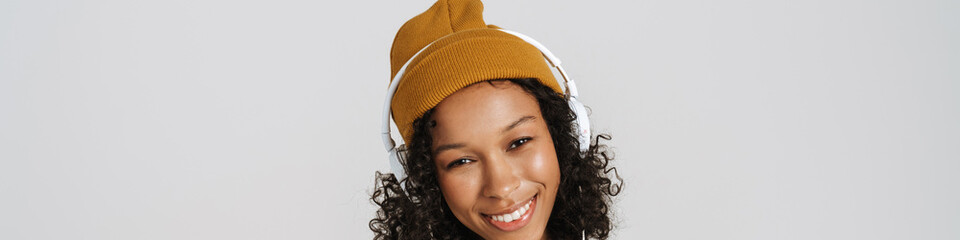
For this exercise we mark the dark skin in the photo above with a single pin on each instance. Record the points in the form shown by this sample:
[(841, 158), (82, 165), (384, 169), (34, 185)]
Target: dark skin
[(494, 154)]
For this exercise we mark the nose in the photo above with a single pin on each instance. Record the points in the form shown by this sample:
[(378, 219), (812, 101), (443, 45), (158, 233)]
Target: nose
[(500, 178)]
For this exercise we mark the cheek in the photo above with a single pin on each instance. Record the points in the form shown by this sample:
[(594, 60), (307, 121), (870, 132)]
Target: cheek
[(459, 192), (543, 166)]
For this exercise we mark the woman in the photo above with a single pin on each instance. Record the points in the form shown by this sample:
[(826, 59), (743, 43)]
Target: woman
[(492, 148)]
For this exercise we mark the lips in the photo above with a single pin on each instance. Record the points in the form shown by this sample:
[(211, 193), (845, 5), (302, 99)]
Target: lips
[(515, 218)]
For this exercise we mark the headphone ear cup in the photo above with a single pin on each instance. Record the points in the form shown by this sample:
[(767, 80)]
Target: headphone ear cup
[(395, 165), (583, 123)]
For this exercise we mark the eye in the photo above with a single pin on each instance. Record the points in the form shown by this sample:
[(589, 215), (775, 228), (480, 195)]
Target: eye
[(458, 162), (517, 143)]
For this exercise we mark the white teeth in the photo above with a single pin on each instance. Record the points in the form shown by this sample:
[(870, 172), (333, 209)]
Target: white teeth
[(515, 215)]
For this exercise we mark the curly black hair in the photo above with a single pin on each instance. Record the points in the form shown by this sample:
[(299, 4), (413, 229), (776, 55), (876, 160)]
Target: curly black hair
[(583, 198)]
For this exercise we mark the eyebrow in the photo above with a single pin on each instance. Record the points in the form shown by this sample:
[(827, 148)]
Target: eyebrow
[(445, 147), (517, 123), (513, 125)]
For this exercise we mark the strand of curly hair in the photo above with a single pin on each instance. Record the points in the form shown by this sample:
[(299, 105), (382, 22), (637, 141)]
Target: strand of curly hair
[(583, 198)]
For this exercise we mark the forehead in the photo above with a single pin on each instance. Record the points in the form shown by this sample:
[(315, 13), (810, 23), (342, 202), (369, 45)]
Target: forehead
[(482, 108)]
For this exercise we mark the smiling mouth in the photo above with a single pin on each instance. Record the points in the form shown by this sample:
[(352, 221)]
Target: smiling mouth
[(514, 220)]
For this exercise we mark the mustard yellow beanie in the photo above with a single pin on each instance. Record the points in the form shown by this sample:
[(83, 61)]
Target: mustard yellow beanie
[(465, 50)]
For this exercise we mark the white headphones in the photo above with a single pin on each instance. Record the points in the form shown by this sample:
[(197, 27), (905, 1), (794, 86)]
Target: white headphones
[(583, 124)]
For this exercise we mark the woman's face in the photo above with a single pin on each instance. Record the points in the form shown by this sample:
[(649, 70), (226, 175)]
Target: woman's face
[(495, 159)]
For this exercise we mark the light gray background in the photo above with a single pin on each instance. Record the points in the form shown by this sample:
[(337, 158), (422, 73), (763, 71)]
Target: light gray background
[(206, 119)]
